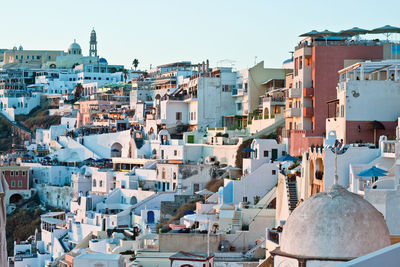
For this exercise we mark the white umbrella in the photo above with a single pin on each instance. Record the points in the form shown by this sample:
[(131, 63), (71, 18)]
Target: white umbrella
[(3, 243)]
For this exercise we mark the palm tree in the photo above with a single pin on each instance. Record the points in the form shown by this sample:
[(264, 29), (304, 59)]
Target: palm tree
[(135, 63), (125, 72), (78, 91)]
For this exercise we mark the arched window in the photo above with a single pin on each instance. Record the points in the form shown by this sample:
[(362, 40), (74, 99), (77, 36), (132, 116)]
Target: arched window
[(101, 183), (116, 150)]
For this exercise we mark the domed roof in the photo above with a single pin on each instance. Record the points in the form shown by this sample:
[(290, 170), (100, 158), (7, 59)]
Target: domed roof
[(334, 224), (287, 60), (102, 60), (74, 45)]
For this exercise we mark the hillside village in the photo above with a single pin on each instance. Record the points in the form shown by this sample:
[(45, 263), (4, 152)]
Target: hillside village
[(191, 164)]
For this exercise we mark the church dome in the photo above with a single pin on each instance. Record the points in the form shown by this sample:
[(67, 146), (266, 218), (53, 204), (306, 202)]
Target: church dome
[(74, 46), (102, 60), (335, 224)]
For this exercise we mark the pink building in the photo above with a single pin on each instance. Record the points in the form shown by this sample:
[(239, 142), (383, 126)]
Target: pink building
[(315, 77), (90, 107)]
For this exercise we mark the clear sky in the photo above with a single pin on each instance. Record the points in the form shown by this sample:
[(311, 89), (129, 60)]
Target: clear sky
[(159, 32)]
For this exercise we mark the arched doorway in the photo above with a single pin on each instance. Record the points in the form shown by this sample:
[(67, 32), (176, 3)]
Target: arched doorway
[(15, 198), (266, 113), (150, 217), (116, 150), (133, 200)]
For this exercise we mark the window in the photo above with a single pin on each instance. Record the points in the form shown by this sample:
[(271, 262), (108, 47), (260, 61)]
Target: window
[(307, 61), (342, 111), (174, 175), (37, 57), (19, 183), (273, 172), (175, 153), (49, 57), (226, 88), (94, 182), (12, 183), (16, 173), (178, 116), (265, 153), (11, 173), (16, 57), (101, 183), (239, 106), (191, 116)]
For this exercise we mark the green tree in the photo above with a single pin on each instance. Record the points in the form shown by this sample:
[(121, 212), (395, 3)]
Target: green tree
[(78, 91), (125, 72), (135, 63)]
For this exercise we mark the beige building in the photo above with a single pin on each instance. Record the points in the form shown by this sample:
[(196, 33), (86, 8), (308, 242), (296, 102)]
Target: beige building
[(30, 58)]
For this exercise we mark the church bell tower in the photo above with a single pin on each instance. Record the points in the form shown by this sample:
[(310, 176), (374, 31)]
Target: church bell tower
[(93, 44)]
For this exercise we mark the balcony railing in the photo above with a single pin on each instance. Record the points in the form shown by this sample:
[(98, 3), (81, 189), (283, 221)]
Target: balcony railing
[(190, 96), (274, 100), (308, 112), (389, 147), (308, 92), (292, 112), (294, 92), (285, 133)]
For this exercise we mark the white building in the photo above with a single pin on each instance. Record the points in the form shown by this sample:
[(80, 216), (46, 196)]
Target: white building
[(375, 83)]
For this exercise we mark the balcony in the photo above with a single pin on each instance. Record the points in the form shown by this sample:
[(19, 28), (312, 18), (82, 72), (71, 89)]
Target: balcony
[(389, 147), (274, 100), (190, 97), (294, 92), (292, 112), (308, 92), (308, 112), (238, 92)]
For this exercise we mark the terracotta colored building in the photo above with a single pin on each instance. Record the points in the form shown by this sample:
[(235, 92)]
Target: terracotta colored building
[(90, 107), (17, 178), (315, 77)]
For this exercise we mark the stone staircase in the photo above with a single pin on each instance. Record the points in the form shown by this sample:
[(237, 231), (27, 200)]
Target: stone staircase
[(152, 227), (268, 130), (291, 189)]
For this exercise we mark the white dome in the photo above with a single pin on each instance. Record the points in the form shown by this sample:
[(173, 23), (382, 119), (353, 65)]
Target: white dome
[(334, 224)]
